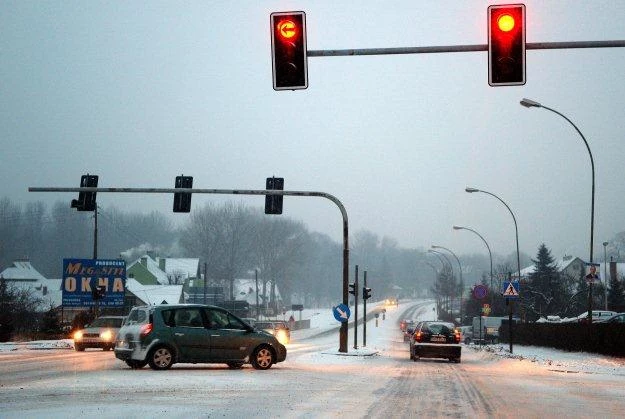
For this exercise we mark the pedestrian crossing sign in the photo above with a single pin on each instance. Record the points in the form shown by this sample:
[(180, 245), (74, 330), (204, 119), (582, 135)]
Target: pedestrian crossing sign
[(511, 289)]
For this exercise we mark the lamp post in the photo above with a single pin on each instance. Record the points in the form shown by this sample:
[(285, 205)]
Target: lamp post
[(528, 103), (605, 272), (440, 256), (518, 258), (460, 268), (490, 255)]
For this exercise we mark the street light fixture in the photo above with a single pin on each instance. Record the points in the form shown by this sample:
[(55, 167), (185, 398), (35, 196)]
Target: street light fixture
[(490, 255), (461, 282), (528, 103)]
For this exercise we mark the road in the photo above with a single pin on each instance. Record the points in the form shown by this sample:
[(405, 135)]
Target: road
[(315, 381)]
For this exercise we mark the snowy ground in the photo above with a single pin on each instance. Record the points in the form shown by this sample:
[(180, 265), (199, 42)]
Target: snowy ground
[(322, 320)]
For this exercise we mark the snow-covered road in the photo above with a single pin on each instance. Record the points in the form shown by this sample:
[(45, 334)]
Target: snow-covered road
[(316, 381)]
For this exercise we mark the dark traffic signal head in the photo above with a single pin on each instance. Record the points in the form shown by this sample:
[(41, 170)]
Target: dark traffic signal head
[(182, 201), (366, 293), (352, 289), (506, 45), (86, 200), (288, 50), (273, 203)]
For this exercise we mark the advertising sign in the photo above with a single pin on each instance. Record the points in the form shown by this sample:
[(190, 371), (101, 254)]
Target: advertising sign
[(82, 276)]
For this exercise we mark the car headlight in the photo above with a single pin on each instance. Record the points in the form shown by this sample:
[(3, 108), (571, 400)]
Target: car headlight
[(107, 335), (78, 335), (282, 336)]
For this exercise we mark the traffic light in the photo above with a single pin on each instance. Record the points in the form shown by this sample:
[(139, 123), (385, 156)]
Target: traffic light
[(506, 45), (366, 293), (273, 203), (86, 200), (182, 201), (352, 289), (98, 292), (288, 50)]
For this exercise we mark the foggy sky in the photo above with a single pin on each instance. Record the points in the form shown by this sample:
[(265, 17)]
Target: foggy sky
[(140, 92)]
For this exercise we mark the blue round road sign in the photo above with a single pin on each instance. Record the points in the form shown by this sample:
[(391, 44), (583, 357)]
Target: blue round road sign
[(341, 313), (480, 292)]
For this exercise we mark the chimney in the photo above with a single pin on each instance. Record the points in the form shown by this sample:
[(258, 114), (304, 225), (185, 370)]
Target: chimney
[(144, 260), (612, 270), (161, 264), (44, 290)]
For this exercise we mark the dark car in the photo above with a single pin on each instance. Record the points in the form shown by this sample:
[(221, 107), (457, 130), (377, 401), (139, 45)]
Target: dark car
[(435, 339), (193, 333), (410, 328), (617, 318)]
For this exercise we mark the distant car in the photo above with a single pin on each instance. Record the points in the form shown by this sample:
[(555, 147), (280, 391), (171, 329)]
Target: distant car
[(597, 316), (436, 339), (166, 334), (391, 301), (410, 328), (466, 334), (405, 323), (100, 333), (279, 329), (617, 318)]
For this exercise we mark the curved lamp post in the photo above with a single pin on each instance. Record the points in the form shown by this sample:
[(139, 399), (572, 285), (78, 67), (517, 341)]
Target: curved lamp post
[(461, 282), (605, 272), (490, 255), (528, 103), (516, 228)]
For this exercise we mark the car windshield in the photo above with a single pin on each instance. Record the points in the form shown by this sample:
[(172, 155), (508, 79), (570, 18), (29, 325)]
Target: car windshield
[(107, 322), (440, 328)]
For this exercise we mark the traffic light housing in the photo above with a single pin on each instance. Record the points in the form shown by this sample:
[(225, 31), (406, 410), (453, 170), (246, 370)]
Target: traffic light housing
[(86, 200), (366, 293), (273, 203), (288, 50), (506, 45), (98, 292), (352, 289), (182, 200)]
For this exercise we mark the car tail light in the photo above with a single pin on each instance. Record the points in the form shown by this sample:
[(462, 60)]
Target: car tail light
[(457, 336), (417, 337), (145, 330)]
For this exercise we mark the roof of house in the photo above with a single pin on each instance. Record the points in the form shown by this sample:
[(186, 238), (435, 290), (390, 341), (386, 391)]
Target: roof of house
[(22, 270), (245, 289), (152, 266), (564, 262), (188, 266), (155, 294)]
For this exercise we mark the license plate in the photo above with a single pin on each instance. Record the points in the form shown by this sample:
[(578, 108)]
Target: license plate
[(438, 339)]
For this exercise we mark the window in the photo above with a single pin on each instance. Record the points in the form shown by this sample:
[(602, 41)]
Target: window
[(187, 317)]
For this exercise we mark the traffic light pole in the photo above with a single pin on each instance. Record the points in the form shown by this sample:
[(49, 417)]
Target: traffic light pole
[(460, 48), (356, 308), (343, 329), (364, 315)]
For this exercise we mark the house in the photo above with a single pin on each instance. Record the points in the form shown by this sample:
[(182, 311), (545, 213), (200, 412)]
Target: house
[(152, 270), (140, 294), (567, 265)]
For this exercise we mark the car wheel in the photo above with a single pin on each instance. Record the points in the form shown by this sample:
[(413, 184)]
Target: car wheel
[(262, 358), (79, 348), (161, 358), (135, 364), (235, 365), (415, 358)]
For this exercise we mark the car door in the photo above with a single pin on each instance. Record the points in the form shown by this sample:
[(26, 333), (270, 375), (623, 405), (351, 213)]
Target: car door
[(230, 339), (190, 335)]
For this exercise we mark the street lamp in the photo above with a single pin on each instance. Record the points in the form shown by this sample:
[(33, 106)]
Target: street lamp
[(490, 255), (516, 229), (440, 256), (605, 272), (461, 282), (528, 103)]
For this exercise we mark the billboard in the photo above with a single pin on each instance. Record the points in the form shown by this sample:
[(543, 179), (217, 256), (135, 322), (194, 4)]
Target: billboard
[(81, 276)]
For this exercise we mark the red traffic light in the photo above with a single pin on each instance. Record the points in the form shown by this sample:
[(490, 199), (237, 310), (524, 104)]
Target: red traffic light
[(506, 45), (288, 50)]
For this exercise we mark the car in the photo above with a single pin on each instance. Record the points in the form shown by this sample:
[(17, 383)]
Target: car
[(279, 329), (403, 325), (466, 334), (597, 316), (391, 301), (410, 328), (163, 335), (100, 333), (436, 339), (617, 318)]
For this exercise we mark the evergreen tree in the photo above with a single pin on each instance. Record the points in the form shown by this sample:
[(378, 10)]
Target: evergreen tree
[(545, 291), (616, 295)]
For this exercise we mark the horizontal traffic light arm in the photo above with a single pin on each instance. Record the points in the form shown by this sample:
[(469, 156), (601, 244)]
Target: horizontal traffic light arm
[(461, 48)]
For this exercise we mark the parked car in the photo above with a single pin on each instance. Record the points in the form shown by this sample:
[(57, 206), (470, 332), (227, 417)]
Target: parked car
[(193, 333), (279, 329), (100, 333), (597, 316), (436, 339), (617, 318)]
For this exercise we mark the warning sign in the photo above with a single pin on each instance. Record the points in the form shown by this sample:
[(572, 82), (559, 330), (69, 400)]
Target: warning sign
[(511, 289)]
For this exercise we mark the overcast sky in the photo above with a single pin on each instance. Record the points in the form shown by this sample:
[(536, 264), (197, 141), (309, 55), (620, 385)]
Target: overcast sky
[(139, 92)]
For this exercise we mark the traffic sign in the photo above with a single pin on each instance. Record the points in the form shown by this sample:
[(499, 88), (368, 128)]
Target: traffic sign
[(486, 309), (511, 289), (480, 292), (341, 313)]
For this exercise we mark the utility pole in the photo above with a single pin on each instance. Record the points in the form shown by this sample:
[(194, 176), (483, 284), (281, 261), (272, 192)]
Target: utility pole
[(364, 317), (356, 309)]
